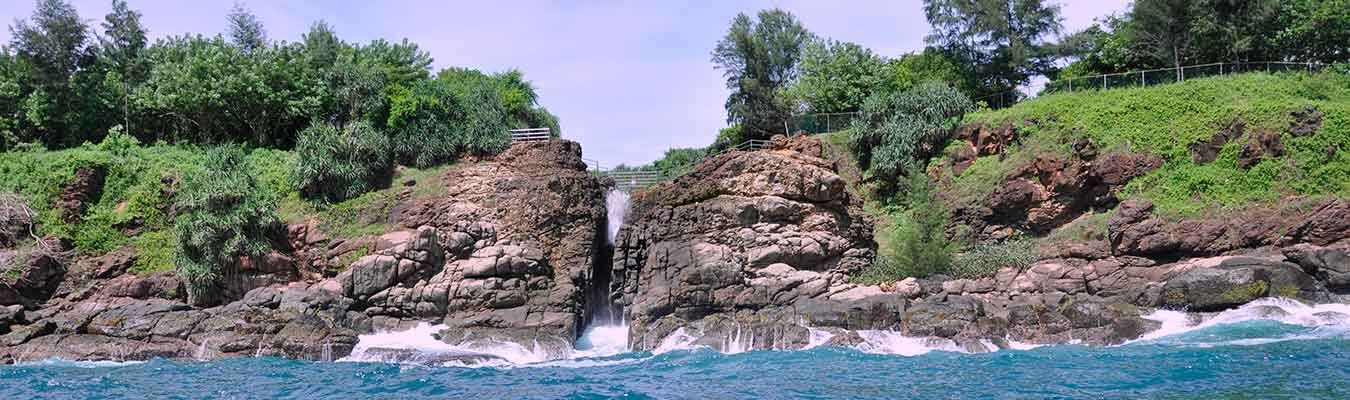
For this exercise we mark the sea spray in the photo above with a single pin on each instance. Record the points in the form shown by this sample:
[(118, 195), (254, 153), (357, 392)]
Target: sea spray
[(421, 339), (1324, 319), (616, 203)]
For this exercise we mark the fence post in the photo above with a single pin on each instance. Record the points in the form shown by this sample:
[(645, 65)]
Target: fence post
[(1103, 82), (1141, 78)]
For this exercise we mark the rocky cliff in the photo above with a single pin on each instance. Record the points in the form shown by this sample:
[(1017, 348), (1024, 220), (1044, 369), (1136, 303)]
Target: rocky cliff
[(502, 253), (754, 250)]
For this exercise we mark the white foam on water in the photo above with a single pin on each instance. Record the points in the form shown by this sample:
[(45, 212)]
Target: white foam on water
[(602, 341), (736, 343), (57, 362), (1324, 318), (817, 338), (677, 340), (892, 342), (616, 201), (420, 338)]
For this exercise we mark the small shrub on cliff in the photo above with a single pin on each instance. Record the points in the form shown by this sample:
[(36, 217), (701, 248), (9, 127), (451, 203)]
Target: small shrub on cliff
[(899, 131), (222, 217), (915, 244), (337, 164), (985, 260)]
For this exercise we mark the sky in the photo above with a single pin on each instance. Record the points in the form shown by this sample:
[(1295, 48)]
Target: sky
[(627, 79)]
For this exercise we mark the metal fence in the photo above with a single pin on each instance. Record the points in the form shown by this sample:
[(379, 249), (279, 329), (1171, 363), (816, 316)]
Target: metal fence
[(1173, 75), (531, 134), (821, 123), (1151, 77)]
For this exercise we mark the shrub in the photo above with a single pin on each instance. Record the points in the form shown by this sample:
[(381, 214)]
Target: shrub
[(899, 131), (221, 218), (423, 124), (915, 243), (334, 164), (484, 130), (985, 260)]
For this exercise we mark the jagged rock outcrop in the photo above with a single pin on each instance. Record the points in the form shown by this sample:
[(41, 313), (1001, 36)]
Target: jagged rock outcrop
[(520, 235), (503, 255), (1041, 194), (744, 235)]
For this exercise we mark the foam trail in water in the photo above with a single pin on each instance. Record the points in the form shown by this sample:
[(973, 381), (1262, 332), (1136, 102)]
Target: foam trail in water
[(420, 339), (677, 340), (56, 362), (617, 204), (891, 342), (817, 338), (1329, 318)]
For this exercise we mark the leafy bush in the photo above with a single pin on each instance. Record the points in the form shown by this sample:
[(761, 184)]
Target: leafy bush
[(484, 128), (337, 164), (915, 244), (984, 260), (221, 219), (423, 124), (899, 131)]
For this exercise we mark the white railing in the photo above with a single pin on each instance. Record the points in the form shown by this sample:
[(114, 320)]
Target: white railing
[(531, 134)]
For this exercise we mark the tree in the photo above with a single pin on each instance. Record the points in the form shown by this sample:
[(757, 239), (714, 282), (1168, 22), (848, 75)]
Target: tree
[(62, 105), (1164, 29), (222, 219), (246, 31), (835, 77), (1315, 30), (1236, 30), (931, 64), (898, 132), (322, 45), (1001, 43), (123, 45), (758, 59)]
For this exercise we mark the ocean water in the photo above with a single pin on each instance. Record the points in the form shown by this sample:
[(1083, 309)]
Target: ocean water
[(1275, 349)]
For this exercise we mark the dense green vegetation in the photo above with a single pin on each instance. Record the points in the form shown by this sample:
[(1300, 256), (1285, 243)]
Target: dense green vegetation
[(1171, 33), (60, 87), (1167, 120), (207, 142), (222, 218)]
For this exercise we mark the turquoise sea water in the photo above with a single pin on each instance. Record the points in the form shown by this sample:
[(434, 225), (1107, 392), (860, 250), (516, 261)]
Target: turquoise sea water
[(1245, 360)]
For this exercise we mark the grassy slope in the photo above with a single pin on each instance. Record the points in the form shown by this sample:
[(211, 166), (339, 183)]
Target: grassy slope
[(1166, 120), (136, 181)]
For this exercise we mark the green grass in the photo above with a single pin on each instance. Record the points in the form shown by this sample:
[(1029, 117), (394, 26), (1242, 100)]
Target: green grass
[(139, 177), (1166, 120)]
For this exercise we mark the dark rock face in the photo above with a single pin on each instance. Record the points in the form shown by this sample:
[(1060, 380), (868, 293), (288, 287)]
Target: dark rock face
[(1307, 121), (1264, 145), (1206, 151), (79, 193), (1332, 266), (1237, 281), (1135, 230), (1051, 190), (745, 231), (313, 326)]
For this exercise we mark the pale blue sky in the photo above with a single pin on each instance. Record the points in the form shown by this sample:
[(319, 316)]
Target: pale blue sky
[(626, 79)]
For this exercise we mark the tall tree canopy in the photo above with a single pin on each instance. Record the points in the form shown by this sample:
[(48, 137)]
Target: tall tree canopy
[(1001, 43), (123, 45), (246, 31), (759, 58)]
